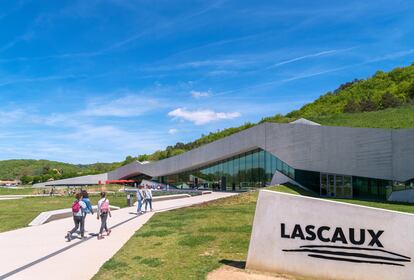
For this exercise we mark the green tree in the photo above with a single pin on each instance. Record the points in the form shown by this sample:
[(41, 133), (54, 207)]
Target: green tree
[(26, 179), (352, 106), (411, 91), (368, 105), (389, 100), (128, 160)]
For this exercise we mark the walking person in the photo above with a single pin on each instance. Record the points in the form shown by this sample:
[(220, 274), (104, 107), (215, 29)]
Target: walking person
[(77, 212), (148, 198), (103, 211), (88, 209), (140, 199)]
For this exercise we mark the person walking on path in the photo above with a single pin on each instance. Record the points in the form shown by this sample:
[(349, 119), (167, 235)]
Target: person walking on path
[(140, 199), (148, 198), (78, 207), (103, 211), (88, 209)]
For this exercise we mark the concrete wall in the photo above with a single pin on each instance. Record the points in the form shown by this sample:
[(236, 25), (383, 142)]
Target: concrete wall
[(375, 153), (341, 150), (402, 196), (281, 240), (82, 180)]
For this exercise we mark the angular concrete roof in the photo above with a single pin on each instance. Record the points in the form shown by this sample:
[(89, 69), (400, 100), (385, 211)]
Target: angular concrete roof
[(366, 152), (304, 121)]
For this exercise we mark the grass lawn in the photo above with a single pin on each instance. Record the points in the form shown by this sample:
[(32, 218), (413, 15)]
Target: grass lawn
[(186, 243), (189, 243), (23, 190), (19, 213)]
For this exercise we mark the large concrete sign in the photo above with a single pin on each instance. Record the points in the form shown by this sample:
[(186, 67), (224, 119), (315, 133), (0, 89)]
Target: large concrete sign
[(330, 240)]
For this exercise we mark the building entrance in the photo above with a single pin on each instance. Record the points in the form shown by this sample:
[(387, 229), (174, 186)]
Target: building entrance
[(333, 185)]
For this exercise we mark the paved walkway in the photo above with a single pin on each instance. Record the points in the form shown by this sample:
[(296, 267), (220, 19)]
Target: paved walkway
[(42, 252)]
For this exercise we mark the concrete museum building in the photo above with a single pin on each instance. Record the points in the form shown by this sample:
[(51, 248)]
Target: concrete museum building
[(332, 161)]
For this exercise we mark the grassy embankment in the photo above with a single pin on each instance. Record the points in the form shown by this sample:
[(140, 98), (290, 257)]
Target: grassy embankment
[(402, 117), (189, 243)]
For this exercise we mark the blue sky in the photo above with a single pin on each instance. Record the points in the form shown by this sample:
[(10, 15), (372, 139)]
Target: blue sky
[(87, 81)]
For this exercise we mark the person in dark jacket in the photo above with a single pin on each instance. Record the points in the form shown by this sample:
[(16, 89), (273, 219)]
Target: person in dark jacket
[(88, 209)]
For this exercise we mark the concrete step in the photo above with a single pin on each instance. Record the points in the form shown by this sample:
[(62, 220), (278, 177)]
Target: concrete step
[(54, 215)]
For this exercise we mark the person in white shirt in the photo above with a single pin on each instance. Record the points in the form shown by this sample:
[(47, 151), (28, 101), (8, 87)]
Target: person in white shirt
[(78, 207), (148, 198), (140, 199), (103, 211)]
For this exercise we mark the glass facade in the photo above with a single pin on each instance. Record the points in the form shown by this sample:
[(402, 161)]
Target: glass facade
[(256, 168), (400, 186), (249, 170), (369, 188), (335, 185)]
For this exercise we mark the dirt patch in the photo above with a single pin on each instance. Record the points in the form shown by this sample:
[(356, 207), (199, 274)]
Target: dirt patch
[(232, 273)]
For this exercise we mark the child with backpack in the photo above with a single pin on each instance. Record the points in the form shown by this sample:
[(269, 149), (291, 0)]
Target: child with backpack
[(78, 207), (102, 213), (88, 209)]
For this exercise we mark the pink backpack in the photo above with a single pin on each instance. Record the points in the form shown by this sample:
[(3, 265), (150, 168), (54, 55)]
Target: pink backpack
[(105, 206), (76, 207)]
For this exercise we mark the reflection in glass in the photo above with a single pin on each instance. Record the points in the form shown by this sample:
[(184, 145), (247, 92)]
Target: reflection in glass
[(248, 170), (331, 185), (324, 185)]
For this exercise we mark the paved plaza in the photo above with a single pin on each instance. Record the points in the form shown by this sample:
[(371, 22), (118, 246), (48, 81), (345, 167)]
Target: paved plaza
[(42, 252)]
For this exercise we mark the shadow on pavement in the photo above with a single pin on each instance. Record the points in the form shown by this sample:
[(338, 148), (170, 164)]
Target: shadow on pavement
[(42, 259)]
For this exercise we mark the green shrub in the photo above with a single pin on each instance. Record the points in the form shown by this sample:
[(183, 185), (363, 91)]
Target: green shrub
[(352, 107), (389, 100)]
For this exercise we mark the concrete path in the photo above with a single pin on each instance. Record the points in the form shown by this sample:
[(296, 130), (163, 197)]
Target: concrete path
[(43, 253)]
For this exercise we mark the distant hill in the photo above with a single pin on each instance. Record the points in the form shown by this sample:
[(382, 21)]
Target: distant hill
[(32, 171), (385, 100), (382, 91)]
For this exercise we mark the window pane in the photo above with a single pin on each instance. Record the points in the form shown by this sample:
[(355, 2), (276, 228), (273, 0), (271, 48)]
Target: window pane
[(242, 172), (285, 169), (236, 171), (339, 186), (279, 165), (291, 172), (255, 167), (249, 165), (268, 161)]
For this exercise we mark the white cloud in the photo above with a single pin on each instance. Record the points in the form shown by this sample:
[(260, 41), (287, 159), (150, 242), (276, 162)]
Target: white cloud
[(200, 94), (8, 115), (200, 117), (127, 106), (323, 53), (173, 131)]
